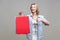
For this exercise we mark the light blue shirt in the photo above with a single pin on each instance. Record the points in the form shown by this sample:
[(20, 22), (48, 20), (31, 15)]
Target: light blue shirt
[(39, 29)]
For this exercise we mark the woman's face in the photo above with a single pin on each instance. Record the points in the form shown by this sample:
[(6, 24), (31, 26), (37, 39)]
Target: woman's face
[(33, 8)]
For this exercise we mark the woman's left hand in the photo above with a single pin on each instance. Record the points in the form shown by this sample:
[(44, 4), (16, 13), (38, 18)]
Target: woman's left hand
[(40, 19)]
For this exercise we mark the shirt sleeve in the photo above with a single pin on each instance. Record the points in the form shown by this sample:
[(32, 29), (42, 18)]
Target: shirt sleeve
[(41, 16)]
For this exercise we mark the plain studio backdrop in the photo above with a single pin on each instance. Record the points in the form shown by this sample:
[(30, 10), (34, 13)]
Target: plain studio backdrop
[(9, 10)]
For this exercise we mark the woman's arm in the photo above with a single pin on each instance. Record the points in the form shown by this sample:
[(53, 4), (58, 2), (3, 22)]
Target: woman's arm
[(44, 21)]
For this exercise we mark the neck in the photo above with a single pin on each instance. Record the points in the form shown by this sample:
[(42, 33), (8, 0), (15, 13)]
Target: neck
[(34, 14)]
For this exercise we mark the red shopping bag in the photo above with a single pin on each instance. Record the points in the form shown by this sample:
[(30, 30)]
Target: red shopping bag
[(22, 25)]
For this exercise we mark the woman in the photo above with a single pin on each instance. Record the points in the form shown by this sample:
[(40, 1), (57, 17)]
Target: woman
[(36, 23)]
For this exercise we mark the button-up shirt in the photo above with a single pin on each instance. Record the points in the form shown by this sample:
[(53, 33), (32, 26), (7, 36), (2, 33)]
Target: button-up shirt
[(39, 28)]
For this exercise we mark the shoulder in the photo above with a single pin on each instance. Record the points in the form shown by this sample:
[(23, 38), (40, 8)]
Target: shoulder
[(41, 16)]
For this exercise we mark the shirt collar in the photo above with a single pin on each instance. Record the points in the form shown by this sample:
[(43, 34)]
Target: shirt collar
[(31, 15)]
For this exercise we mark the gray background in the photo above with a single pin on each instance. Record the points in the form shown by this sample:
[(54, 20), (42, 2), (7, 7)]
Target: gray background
[(10, 8)]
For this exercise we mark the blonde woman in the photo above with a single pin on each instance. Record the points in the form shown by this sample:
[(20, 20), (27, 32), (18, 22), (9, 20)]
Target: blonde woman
[(36, 23)]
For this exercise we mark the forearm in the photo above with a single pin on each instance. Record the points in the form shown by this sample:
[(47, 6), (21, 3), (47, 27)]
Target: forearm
[(45, 22)]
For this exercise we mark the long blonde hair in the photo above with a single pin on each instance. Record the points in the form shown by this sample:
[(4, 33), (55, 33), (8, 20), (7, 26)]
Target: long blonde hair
[(37, 10)]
